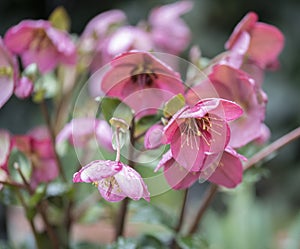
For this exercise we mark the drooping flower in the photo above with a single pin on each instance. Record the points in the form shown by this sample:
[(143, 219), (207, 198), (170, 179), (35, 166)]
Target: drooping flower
[(8, 73), (36, 41), (266, 41), (227, 173), (193, 132), (235, 85), (114, 180), (80, 131), (141, 81), (169, 32)]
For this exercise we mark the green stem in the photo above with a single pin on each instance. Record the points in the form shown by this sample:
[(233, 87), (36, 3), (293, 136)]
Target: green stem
[(31, 223), (120, 223), (181, 219), (209, 195)]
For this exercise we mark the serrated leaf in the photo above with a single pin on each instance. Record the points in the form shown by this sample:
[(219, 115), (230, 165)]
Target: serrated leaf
[(114, 108), (60, 19), (173, 105)]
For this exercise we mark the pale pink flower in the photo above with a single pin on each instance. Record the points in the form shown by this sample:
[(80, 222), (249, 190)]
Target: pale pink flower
[(169, 32), (36, 41), (114, 180), (153, 136), (8, 73), (141, 81), (193, 132), (227, 173), (80, 131), (266, 41)]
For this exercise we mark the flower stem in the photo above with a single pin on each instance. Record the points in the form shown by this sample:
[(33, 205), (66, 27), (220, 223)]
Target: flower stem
[(209, 195), (279, 143), (181, 219), (211, 192), (120, 223), (52, 137)]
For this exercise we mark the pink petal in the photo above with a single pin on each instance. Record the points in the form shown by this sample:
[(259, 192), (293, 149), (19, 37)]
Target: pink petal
[(46, 59), (229, 173), (188, 151), (45, 171), (153, 136), (24, 88), (177, 176), (245, 24), (97, 170), (266, 43), (6, 89), (132, 184)]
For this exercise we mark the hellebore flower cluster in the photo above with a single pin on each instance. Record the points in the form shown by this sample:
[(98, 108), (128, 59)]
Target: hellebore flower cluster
[(141, 102)]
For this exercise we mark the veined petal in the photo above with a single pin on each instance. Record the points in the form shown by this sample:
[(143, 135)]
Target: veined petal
[(5, 145), (229, 173), (132, 184), (97, 170)]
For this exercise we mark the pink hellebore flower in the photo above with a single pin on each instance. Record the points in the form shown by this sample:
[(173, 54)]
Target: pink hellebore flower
[(228, 171), (114, 180), (266, 41), (142, 81), (169, 32), (81, 130), (36, 145), (202, 129), (8, 73), (36, 41), (235, 85)]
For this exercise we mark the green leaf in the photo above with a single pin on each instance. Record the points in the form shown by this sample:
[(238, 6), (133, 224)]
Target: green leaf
[(150, 242), (114, 108), (124, 243), (151, 214), (37, 196), (60, 19), (192, 242), (173, 105)]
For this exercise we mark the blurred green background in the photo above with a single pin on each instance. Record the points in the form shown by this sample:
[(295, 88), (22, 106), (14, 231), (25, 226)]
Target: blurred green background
[(263, 215)]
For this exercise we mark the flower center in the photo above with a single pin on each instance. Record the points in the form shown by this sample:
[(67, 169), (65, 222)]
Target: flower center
[(40, 41), (143, 74), (110, 184), (199, 127), (6, 71)]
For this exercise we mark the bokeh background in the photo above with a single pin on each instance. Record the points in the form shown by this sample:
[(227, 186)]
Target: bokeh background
[(264, 214)]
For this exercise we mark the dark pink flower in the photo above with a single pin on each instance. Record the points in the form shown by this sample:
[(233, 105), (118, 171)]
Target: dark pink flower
[(202, 129), (80, 131), (36, 41), (169, 32), (266, 41), (8, 74), (228, 171), (235, 85), (114, 180), (142, 81), (36, 145)]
